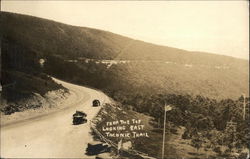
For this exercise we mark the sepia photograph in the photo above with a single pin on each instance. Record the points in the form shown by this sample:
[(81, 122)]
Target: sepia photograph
[(124, 79)]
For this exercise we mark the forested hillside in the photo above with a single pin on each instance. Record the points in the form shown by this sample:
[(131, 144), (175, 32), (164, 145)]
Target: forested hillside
[(49, 37), (150, 66)]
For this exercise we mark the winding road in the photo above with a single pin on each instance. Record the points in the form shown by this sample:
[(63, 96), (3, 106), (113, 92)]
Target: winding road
[(53, 135)]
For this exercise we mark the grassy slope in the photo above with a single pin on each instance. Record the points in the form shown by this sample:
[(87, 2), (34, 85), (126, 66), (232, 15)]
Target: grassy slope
[(175, 146), (112, 113), (21, 77), (45, 37)]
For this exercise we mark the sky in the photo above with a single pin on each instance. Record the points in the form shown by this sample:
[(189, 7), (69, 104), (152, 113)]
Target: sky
[(220, 27)]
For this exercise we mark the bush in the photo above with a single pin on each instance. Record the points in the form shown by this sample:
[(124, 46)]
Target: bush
[(217, 150), (10, 109), (186, 135), (174, 131), (243, 155)]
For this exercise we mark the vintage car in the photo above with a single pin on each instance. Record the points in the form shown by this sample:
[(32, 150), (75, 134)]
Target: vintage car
[(79, 117), (95, 148), (96, 103)]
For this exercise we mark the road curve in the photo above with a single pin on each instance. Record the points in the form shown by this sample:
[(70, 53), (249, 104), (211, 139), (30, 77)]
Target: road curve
[(53, 135)]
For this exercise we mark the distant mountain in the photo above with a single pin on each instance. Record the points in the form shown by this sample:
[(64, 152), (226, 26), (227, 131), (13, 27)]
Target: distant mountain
[(152, 67), (49, 37)]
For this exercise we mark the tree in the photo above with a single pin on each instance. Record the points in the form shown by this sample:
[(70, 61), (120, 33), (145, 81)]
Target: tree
[(197, 142)]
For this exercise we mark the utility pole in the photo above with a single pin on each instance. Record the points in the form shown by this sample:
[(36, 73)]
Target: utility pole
[(119, 146), (166, 108), (159, 123), (164, 129), (244, 107)]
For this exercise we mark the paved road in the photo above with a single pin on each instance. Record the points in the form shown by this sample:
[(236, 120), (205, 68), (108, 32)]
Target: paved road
[(53, 135)]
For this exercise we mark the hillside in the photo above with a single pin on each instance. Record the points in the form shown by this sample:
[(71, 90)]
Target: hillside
[(178, 144), (150, 67), (23, 83), (46, 37)]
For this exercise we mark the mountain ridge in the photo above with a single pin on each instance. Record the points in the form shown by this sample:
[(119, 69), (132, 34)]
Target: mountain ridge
[(109, 52), (152, 66)]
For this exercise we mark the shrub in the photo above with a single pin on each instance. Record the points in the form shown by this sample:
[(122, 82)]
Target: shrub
[(217, 150), (10, 109)]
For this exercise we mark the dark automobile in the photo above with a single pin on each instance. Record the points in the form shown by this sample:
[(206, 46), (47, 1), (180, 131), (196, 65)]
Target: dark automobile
[(96, 148), (79, 118), (96, 103)]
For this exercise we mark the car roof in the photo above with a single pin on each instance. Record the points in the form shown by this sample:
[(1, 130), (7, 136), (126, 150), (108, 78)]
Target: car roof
[(77, 115), (95, 142)]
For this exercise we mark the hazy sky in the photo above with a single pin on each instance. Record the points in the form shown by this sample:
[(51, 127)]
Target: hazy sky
[(220, 27)]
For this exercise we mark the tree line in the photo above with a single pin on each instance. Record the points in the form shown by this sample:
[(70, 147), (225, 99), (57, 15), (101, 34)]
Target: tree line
[(204, 118)]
